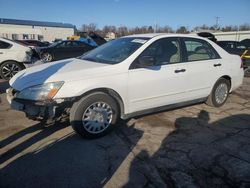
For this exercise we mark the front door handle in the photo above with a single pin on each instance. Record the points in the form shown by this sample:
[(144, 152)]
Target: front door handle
[(179, 70), (217, 65)]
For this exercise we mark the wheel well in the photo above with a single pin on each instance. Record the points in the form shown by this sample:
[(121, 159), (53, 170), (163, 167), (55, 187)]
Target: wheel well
[(110, 92), (227, 78), (46, 52)]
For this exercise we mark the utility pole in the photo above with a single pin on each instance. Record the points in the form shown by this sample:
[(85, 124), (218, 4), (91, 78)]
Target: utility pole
[(217, 22), (155, 30)]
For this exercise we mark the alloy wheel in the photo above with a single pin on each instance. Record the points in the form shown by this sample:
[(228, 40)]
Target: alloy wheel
[(10, 69)]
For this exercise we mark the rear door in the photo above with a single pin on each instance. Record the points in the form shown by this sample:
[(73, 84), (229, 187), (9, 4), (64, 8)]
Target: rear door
[(80, 48), (204, 67), (5, 51), (61, 51)]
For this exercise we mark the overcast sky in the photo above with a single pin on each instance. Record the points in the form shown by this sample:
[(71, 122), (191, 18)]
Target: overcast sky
[(131, 13)]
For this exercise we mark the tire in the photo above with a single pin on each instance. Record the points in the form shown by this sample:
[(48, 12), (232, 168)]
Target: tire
[(47, 57), (9, 68), (247, 72), (94, 115), (219, 94)]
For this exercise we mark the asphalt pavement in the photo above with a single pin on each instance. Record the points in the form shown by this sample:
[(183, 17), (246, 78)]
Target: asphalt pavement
[(194, 146)]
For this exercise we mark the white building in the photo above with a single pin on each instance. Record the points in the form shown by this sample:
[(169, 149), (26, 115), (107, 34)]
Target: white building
[(27, 29), (110, 36), (232, 35)]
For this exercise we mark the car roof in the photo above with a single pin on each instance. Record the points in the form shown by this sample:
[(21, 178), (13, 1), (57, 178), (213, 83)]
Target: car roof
[(70, 41), (8, 40), (11, 41), (227, 41), (152, 35), (147, 35)]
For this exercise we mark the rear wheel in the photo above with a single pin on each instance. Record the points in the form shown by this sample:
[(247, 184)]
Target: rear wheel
[(94, 115), (47, 57), (9, 68), (247, 72), (219, 93)]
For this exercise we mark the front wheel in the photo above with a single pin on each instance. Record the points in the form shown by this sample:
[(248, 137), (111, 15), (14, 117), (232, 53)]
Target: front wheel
[(9, 68), (219, 94), (94, 115)]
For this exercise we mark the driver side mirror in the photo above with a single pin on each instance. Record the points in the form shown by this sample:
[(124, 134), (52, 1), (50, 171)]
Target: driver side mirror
[(146, 61)]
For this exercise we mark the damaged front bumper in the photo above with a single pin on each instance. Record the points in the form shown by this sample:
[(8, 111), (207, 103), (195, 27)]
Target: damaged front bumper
[(39, 110)]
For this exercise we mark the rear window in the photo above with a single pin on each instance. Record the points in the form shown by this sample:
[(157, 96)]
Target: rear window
[(240, 46), (199, 50), (4, 45)]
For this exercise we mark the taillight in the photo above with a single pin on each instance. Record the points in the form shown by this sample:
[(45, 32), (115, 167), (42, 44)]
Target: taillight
[(241, 65)]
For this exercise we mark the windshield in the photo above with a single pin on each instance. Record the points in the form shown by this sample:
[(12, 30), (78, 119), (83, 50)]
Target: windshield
[(115, 51), (55, 43)]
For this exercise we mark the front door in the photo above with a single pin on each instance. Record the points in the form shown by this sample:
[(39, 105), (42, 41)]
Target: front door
[(161, 83)]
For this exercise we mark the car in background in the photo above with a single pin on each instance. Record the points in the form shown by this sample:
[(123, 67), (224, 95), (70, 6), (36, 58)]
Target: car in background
[(237, 48), (13, 57), (63, 50), (33, 43), (207, 35), (127, 77), (91, 38), (246, 42)]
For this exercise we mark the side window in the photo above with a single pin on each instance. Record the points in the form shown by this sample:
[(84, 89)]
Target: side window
[(62, 45), (163, 51), (77, 44), (4, 45), (71, 44), (230, 45), (240, 46), (199, 50), (81, 44)]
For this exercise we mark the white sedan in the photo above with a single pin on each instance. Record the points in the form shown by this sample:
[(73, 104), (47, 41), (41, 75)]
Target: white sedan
[(13, 57), (126, 77)]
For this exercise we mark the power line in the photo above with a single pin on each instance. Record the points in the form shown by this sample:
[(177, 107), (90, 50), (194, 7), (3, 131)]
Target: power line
[(217, 21)]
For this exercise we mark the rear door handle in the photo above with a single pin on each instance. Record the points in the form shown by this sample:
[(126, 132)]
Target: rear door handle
[(217, 65), (179, 70)]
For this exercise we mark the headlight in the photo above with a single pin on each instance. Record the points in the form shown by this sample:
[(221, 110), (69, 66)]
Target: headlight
[(40, 92)]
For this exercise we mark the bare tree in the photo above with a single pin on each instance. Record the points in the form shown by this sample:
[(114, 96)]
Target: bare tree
[(124, 30), (244, 27), (109, 28), (89, 27), (150, 29), (182, 30)]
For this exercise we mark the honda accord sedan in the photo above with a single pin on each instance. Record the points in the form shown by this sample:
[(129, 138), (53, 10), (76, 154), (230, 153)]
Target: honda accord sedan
[(126, 77)]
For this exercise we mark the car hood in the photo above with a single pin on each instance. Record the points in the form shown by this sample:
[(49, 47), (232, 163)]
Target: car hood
[(65, 70)]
